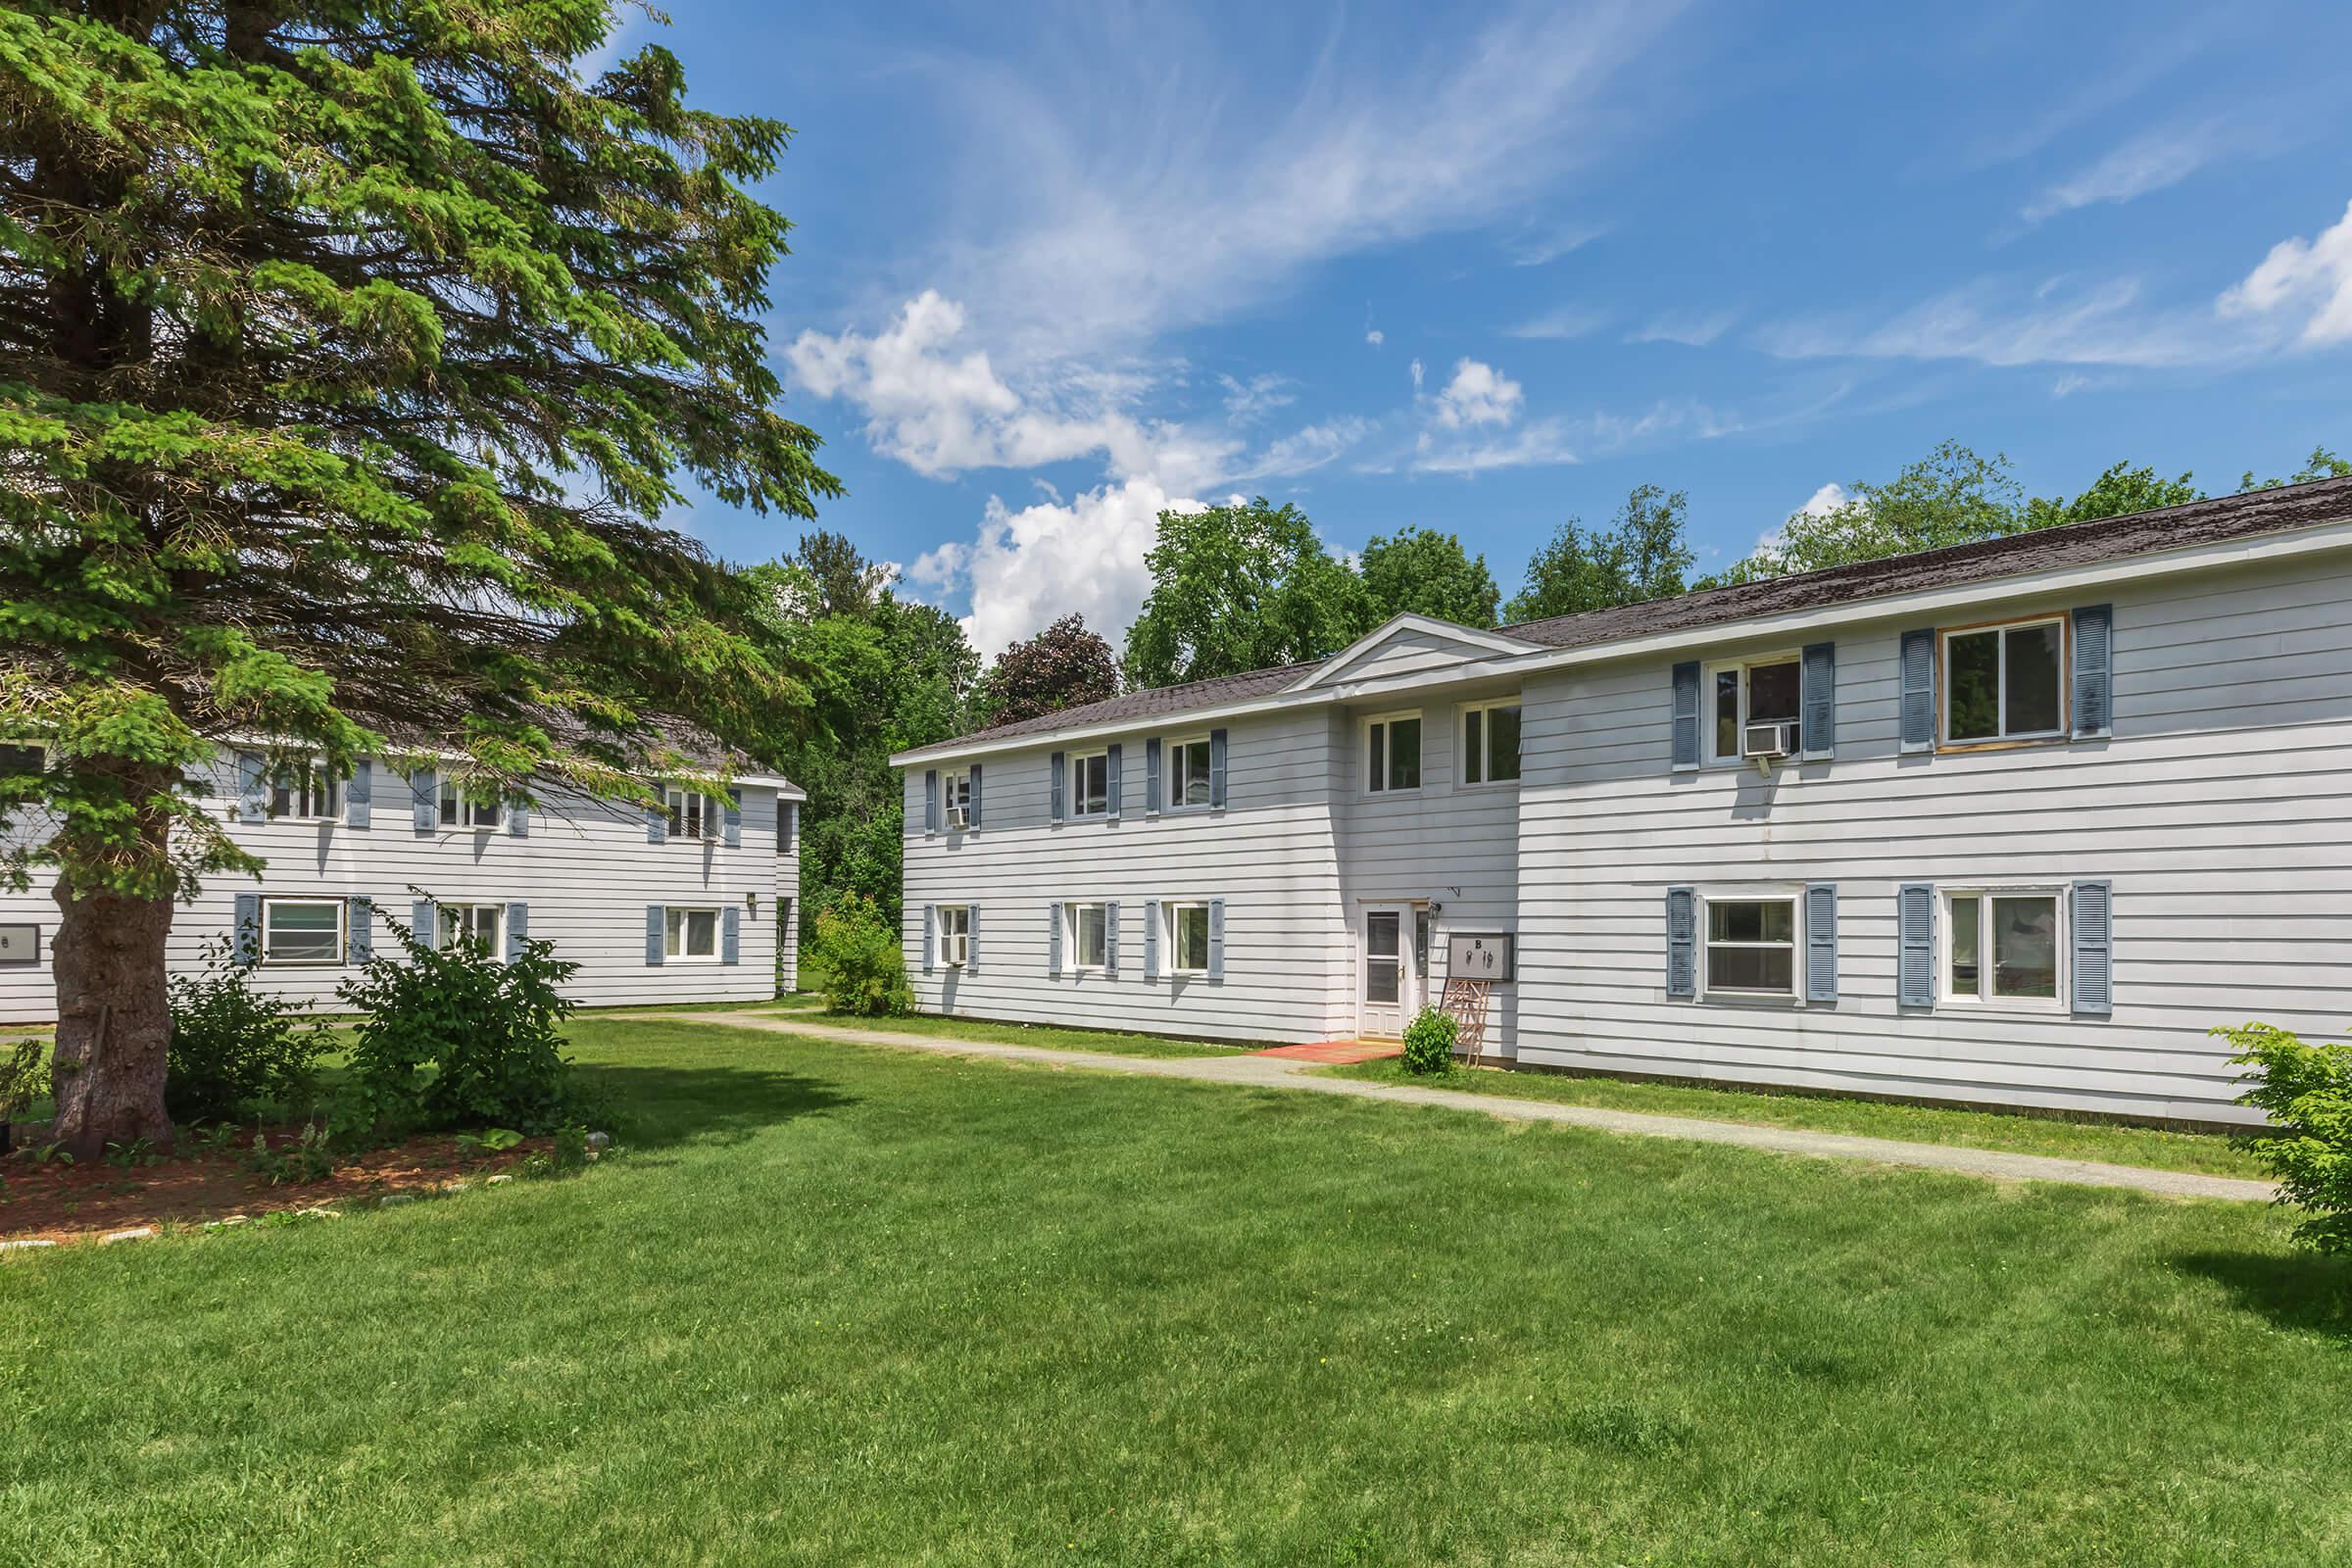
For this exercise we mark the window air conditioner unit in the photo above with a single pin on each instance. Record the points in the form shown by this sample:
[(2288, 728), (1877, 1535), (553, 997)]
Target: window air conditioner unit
[(1766, 741)]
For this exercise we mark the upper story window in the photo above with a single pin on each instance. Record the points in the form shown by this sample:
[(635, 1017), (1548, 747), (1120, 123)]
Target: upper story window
[(1751, 946), (1757, 691), (1090, 783), (459, 812), (955, 796), (2005, 683), (302, 930), (1188, 772), (482, 924), (693, 815), (19, 759), (304, 790), (955, 935), (1393, 752), (2003, 945), (1491, 741)]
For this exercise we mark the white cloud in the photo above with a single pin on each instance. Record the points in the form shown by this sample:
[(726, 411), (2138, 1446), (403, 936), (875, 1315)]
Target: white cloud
[(1555, 440), (1825, 500), (2106, 323), (2149, 162), (1375, 336), (1478, 394), (1540, 250), (2074, 382), (1567, 322), (2306, 286), (1247, 403), (1691, 329), (1416, 369)]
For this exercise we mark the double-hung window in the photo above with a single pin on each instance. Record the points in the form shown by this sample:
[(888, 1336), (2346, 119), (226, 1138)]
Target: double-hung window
[(1188, 930), (2004, 945), (1090, 783), (482, 924), (1188, 772), (1757, 691), (955, 935), (955, 795), (2005, 683), (690, 936), (302, 930), (303, 789), (692, 813), (1090, 935), (1750, 947), (459, 812), (1491, 741), (1393, 752)]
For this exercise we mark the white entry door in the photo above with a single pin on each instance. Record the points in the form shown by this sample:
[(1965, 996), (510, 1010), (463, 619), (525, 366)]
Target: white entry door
[(1387, 998)]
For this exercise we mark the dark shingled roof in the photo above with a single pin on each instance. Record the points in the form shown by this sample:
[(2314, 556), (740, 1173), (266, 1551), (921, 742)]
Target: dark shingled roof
[(2246, 515)]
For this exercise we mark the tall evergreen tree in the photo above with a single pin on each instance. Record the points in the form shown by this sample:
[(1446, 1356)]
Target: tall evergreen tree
[(350, 353)]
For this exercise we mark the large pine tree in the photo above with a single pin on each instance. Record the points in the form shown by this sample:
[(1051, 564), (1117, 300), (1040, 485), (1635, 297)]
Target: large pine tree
[(350, 356)]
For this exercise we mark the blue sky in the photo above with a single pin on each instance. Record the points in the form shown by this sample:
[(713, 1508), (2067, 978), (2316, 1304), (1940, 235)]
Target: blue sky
[(1059, 267)]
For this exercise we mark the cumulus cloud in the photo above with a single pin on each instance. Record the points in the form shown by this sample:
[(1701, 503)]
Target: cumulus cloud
[(1478, 394), (2304, 284)]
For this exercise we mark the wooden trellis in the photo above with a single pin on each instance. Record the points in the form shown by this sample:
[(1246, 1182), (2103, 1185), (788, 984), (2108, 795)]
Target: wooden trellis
[(1466, 1000)]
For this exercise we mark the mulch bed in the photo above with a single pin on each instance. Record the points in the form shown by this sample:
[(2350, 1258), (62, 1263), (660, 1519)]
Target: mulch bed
[(62, 1203)]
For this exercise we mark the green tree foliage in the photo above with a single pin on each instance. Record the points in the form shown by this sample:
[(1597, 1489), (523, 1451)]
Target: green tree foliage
[(1242, 587), (1642, 556), (1060, 667), (1952, 496), (2323, 464), (2306, 1092), (1424, 572), (348, 356), (856, 959), (2118, 492)]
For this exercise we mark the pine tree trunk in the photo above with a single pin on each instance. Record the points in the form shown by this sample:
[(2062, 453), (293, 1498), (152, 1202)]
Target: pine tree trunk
[(114, 1022)]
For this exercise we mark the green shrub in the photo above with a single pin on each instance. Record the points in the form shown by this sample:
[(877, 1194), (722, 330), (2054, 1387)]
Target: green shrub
[(24, 1077), (234, 1050), (454, 1038), (1429, 1042), (853, 959), (2307, 1092)]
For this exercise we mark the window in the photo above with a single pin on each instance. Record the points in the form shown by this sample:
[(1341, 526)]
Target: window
[(1751, 946), (957, 797), (1189, 926), (690, 934), (301, 931), (1188, 772), (1393, 750), (479, 923), (2003, 946), (1491, 743), (1089, 784), (459, 812), (2004, 683), (1090, 935), (1761, 690), (693, 815), (305, 790), (19, 759), (955, 935)]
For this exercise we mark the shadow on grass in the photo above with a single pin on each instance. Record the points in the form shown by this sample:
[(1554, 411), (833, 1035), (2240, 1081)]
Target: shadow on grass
[(2294, 1291), (659, 1107)]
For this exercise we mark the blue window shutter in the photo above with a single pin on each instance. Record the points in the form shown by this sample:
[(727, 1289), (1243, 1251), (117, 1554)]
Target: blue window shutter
[(1151, 938), (1821, 942), (1111, 937), (2094, 672), (1682, 943), (2093, 926), (1685, 714), (426, 790), (1817, 706), (974, 812), (656, 823), (361, 916), (1053, 938), (358, 793), (930, 799), (1919, 690), (421, 924), (249, 775), (971, 938), (1055, 792), (1216, 939), (1111, 781), (248, 934), (653, 913), (1152, 796), (518, 929), (518, 820), (732, 806), (930, 935), (1915, 944), (1216, 768), (730, 935)]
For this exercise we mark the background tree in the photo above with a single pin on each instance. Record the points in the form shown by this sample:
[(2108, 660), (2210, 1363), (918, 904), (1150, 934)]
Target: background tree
[(846, 583), (1424, 572), (1060, 667), (2118, 492), (1238, 588), (1643, 556), (348, 356), (1949, 497), (2323, 464)]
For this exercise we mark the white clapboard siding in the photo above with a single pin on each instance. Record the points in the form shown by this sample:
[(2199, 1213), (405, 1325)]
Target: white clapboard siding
[(1412, 651)]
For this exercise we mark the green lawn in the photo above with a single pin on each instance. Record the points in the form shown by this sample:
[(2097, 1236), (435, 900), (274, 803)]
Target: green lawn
[(2208, 1153), (839, 1304), (804, 1010)]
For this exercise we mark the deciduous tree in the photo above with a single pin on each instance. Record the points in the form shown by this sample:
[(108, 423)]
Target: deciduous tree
[(1644, 554), (1242, 587), (1424, 572), (1060, 667)]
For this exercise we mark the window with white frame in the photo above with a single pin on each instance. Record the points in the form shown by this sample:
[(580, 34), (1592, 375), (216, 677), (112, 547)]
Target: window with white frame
[(1750, 947), (690, 936), (1393, 752), (303, 789), (302, 930), (482, 924), (1188, 772), (459, 812), (1755, 691), (2003, 945), (2005, 683), (956, 791), (1188, 933), (955, 935), (1090, 783), (1090, 935), (692, 813), (1491, 741)]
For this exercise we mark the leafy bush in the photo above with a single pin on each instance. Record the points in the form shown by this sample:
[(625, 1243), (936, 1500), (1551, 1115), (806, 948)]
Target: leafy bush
[(853, 959), (233, 1050), (24, 1077), (1429, 1042), (2307, 1092), (453, 1037)]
